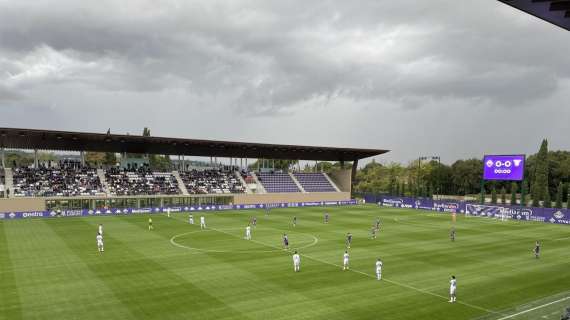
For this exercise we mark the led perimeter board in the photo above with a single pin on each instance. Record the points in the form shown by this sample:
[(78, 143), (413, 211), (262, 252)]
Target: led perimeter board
[(503, 167)]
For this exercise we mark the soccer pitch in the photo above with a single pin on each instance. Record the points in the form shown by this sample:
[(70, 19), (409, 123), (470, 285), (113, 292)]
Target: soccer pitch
[(50, 268)]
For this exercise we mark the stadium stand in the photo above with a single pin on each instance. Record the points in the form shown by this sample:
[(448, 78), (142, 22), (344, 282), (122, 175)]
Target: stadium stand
[(211, 181), (68, 179), (140, 181), (277, 182), (314, 182)]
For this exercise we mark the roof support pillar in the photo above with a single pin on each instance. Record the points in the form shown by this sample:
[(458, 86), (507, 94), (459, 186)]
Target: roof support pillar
[(82, 155), (353, 174), (3, 154), (183, 163), (35, 158), (273, 165)]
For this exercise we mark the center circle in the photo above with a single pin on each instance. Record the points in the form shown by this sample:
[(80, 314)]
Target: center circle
[(232, 241)]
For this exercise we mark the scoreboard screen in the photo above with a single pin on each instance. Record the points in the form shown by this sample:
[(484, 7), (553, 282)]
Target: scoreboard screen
[(503, 167)]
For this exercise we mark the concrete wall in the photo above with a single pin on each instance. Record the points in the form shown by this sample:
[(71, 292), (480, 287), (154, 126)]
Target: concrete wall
[(22, 204), (291, 197), (342, 179)]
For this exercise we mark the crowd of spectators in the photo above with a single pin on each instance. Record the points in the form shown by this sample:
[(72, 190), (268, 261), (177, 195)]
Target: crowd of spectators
[(64, 178), (211, 181), (140, 181)]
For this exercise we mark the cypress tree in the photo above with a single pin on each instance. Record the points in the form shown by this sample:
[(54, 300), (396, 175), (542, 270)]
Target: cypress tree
[(503, 195), (514, 194), (540, 188), (547, 201), (568, 198), (559, 194), (494, 195), (524, 193), (403, 189), (482, 200), (397, 189)]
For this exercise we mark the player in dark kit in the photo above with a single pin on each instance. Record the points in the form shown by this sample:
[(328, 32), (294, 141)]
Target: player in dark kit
[(377, 223), (536, 249), (348, 240), (373, 232), (294, 221), (285, 241), (326, 218), (452, 234), (254, 222)]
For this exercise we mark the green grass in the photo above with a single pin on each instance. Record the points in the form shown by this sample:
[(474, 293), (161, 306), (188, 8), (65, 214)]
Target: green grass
[(50, 268)]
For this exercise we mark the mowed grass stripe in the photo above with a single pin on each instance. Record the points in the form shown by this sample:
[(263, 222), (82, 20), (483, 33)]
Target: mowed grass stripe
[(491, 259), (10, 305), (246, 275), (404, 295), (147, 289), (68, 292)]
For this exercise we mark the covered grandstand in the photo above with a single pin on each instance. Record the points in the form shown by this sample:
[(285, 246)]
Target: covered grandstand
[(70, 185)]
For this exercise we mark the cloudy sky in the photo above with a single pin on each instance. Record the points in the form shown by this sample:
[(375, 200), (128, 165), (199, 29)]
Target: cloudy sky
[(446, 77)]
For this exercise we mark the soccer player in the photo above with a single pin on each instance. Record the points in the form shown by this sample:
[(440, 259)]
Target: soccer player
[(168, 212), (254, 222), (345, 258), (202, 222), (296, 262), (379, 269), (150, 227), (326, 217), (285, 241), (348, 240), (191, 219), (452, 234), (536, 249), (294, 221), (248, 233), (377, 223), (100, 229), (267, 210), (373, 232), (452, 289), (100, 243)]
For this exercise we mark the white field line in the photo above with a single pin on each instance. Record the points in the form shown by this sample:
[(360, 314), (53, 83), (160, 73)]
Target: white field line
[(535, 308), (374, 277)]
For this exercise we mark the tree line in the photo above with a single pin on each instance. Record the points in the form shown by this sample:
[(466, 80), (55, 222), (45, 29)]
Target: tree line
[(547, 180)]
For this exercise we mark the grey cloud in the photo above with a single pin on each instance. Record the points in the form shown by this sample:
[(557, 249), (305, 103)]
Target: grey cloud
[(276, 59)]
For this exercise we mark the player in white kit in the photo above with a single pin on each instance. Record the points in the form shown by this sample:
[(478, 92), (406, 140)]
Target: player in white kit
[(248, 233), (100, 243), (345, 261), (168, 212), (379, 269), (296, 262), (202, 222), (191, 219), (452, 289), (100, 229)]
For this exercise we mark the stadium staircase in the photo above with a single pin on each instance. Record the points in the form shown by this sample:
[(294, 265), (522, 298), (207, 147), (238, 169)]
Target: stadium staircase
[(242, 181), (260, 188), (101, 175), (331, 182), (9, 181), (297, 183), (181, 184)]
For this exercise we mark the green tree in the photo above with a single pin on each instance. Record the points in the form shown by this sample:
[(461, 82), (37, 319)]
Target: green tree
[(403, 189), (482, 194), (503, 195), (540, 189), (524, 193), (547, 203), (494, 194), (110, 159), (559, 194), (514, 188)]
